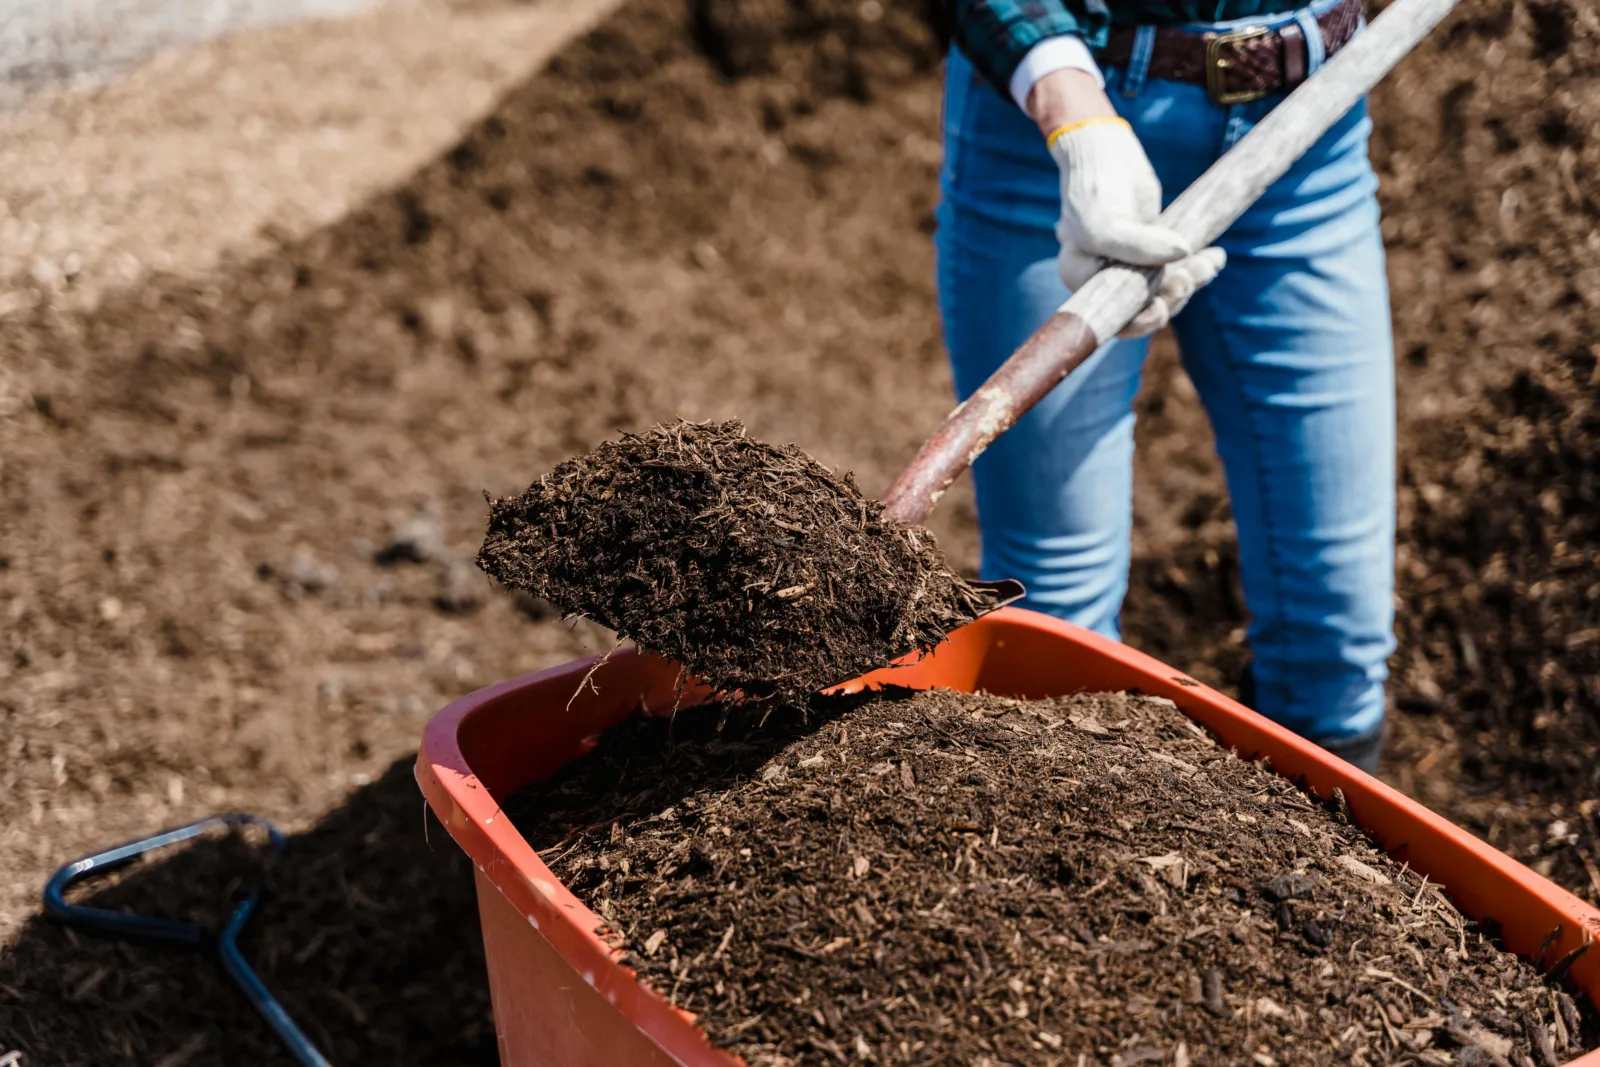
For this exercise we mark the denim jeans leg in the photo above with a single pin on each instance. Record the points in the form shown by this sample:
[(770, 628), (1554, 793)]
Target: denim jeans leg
[(1291, 352), (1290, 349), (1055, 493)]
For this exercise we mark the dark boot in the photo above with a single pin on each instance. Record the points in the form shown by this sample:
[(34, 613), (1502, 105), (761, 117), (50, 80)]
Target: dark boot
[(1361, 749)]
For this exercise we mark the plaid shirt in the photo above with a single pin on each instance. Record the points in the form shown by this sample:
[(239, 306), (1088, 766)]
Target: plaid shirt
[(996, 34)]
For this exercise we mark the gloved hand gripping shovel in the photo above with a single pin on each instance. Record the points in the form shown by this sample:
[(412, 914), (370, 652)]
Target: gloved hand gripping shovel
[(1110, 300)]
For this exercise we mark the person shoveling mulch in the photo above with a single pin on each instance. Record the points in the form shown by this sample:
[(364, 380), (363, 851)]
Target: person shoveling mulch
[(755, 566), (944, 878)]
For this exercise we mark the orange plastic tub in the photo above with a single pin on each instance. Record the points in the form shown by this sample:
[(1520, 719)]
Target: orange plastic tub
[(562, 999)]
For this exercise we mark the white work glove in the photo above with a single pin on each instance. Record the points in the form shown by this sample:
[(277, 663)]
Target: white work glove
[(1110, 200)]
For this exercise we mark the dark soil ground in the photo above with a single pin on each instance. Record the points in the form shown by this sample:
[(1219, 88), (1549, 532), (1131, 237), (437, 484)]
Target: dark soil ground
[(753, 565), (237, 513), (945, 878)]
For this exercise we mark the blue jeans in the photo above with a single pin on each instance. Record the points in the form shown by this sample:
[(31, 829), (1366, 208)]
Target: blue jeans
[(1289, 349)]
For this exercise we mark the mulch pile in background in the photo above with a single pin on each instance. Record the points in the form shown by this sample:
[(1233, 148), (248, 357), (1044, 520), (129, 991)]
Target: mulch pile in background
[(941, 878), (755, 566)]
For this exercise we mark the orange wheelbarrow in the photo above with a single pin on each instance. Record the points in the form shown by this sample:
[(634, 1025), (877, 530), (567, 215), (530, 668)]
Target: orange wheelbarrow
[(563, 999)]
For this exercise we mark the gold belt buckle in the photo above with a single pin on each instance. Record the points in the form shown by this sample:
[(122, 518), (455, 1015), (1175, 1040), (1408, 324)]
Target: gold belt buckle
[(1218, 64)]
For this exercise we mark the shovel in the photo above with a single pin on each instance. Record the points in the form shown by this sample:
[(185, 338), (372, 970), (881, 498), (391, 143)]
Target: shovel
[(1109, 300), (515, 548)]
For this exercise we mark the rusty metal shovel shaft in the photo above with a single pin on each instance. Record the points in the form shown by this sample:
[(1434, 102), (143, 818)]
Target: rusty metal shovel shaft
[(1109, 300)]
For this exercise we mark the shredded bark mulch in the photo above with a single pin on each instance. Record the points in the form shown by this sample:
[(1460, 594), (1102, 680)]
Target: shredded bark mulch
[(755, 566), (943, 878)]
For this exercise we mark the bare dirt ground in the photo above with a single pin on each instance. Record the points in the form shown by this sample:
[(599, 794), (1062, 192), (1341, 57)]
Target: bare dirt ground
[(206, 158), (239, 485)]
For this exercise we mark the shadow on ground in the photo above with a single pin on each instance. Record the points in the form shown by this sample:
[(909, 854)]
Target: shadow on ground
[(369, 937)]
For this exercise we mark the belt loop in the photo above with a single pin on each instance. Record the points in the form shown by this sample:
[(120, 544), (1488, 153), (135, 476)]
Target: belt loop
[(1144, 46), (1316, 47)]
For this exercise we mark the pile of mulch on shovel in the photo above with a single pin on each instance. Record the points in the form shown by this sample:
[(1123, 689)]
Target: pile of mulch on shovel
[(946, 878), (753, 565)]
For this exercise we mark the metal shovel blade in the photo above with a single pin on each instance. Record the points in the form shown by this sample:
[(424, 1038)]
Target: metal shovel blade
[(1006, 591)]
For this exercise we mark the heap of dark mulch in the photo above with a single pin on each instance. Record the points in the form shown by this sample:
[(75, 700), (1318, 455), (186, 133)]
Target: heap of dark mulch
[(941, 878), (755, 566)]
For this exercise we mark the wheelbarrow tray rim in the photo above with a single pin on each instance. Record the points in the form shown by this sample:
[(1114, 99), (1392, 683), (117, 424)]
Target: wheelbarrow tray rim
[(482, 748)]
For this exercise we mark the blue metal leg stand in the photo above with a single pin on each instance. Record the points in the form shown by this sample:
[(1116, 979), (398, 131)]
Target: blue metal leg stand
[(172, 931)]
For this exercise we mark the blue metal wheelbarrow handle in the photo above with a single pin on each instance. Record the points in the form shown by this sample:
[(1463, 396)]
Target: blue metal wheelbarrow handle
[(172, 931)]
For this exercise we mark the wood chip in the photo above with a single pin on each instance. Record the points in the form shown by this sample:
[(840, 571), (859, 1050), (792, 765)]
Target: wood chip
[(1361, 870), (1211, 992), (183, 1053), (1171, 867), (1182, 765), (722, 946), (1089, 725)]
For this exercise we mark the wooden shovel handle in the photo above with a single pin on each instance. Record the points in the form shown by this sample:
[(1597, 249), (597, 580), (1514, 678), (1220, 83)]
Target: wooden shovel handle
[(1053, 352), (1109, 300)]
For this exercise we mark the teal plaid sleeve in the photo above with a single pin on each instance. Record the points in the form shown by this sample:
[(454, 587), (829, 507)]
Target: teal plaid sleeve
[(996, 34)]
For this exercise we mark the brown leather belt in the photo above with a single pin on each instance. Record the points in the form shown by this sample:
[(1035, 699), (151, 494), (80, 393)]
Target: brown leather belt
[(1240, 65)]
